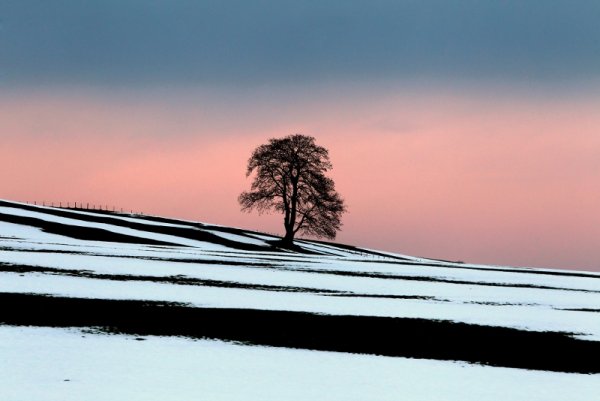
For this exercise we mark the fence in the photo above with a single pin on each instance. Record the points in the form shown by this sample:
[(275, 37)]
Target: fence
[(86, 206)]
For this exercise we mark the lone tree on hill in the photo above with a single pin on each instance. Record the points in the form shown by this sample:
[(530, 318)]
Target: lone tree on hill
[(290, 178)]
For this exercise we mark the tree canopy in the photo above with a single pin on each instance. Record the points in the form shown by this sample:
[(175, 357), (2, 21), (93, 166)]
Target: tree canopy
[(290, 178)]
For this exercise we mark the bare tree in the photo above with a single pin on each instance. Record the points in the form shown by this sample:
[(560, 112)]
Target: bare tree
[(290, 178)]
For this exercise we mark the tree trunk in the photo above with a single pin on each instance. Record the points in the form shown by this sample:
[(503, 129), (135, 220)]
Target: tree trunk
[(289, 235), (290, 222)]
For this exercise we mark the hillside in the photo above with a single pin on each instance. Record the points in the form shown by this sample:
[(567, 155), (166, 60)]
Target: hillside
[(220, 306)]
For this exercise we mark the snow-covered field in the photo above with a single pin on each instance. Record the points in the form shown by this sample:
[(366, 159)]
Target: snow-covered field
[(77, 255), (67, 365)]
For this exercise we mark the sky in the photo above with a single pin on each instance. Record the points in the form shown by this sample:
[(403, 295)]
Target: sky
[(462, 130)]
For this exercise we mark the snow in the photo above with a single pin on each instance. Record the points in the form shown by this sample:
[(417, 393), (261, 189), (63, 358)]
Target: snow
[(505, 305), (108, 227), (129, 218), (103, 367), (240, 238), (535, 317), (68, 365)]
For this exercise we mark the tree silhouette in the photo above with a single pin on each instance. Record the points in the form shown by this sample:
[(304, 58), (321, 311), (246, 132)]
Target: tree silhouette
[(290, 178)]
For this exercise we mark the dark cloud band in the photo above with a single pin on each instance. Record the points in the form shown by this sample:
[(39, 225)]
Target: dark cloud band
[(131, 41)]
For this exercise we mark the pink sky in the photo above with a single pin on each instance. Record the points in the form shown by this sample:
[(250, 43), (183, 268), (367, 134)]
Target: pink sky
[(515, 180)]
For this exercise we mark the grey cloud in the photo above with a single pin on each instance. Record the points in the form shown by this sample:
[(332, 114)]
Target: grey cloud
[(122, 42)]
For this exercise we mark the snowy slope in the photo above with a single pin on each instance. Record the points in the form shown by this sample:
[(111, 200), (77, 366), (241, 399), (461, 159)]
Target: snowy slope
[(114, 260), (100, 368)]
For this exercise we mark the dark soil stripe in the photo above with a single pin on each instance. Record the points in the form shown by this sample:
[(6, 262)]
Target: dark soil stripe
[(79, 232), (435, 280), (177, 279), (414, 338), (346, 273), (183, 280), (491, 269), (194, 233)]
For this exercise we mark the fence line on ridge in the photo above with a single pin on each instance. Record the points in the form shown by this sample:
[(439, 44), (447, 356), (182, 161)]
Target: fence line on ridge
[(85, 206)]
